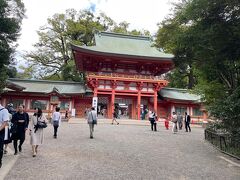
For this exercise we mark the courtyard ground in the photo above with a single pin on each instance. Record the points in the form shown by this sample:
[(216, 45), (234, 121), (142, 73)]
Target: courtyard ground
[(121, 152)]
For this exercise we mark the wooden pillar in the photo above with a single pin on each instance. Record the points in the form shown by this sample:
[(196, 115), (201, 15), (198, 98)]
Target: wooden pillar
[(139, 88), (95, 92), (114, 85), (139, 105), (73, 103), (157, 87), (112, 107), (155, 101)]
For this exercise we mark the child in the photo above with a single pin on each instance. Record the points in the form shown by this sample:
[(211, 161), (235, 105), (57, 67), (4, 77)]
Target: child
[(167, 123)]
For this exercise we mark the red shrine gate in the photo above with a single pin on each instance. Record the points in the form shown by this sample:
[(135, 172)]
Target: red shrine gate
[(123, 66), (125, 86)]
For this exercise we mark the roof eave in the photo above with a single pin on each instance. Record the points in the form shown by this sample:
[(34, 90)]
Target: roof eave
[(94, 52)]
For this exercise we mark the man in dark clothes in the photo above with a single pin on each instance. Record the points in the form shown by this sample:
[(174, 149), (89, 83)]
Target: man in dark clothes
[(187, 122), (20, 121)]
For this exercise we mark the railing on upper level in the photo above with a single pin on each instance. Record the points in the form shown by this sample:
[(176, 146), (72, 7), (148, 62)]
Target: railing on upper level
[(128, 76), (223, 141)]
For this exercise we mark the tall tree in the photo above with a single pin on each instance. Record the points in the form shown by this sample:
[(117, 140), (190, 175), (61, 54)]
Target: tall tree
[(11, 15), (205, 36), (52, 56)]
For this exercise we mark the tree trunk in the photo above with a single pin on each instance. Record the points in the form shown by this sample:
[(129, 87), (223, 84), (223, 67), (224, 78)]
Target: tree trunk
[(190, 78)]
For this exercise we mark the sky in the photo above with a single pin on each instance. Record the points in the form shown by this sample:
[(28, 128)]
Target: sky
[(141, 14)]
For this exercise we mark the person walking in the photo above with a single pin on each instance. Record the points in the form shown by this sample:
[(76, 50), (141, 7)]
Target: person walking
[(4, 118), (35, 132), (20, 122), (115, 116), (56, 121), (7, 137), (174, 121), (180, 121), (92, 120), (187, 122), (152, 118)]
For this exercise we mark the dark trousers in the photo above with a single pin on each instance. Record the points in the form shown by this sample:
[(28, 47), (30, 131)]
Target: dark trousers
[(187, 126), (180, 125), (153, 125), (55, 130), (21, 137), (2, 134)]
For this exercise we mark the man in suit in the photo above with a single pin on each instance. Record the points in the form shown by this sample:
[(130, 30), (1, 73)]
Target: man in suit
[(187, 122)]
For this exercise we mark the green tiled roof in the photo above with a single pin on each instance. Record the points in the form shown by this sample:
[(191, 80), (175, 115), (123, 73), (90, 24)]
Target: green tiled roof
[(44, 86), (179, 94), (120, 44)]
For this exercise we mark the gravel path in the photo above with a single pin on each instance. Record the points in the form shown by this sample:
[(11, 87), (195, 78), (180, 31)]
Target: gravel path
[(122, 152)]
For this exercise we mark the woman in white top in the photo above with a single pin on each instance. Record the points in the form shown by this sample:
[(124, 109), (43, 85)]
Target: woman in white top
[(174, 120), (56, 120), (36, 133)]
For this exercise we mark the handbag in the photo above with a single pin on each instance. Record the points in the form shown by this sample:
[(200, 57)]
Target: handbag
[(94, 121), (13, 128), (41, 124)]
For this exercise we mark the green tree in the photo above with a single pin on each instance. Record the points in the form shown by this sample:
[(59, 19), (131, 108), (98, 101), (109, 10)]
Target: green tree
[(204, 36), (11, 15), (52, 54), (52, 57)]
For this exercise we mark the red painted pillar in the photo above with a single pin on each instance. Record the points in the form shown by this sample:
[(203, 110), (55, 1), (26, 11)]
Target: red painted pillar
[(139, 105), (112, 103), (95, 92), (114, 85), (155, 102), (139, 87)]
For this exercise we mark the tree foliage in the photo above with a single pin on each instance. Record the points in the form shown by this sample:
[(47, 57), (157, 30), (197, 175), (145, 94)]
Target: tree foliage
[(204, 36), (52, 56), (11, 14)]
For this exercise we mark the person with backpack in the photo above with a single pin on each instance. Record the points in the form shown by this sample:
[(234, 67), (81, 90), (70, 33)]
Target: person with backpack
[(4, 118), (19, 126), (152, 118), (56, 120)]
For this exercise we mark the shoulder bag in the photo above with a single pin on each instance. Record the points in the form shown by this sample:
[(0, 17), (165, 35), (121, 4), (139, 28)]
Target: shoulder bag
[(41, 124)]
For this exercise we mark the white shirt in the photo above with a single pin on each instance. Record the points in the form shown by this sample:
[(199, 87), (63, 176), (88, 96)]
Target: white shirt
[(4, 116), (151, 114), (56, 117)]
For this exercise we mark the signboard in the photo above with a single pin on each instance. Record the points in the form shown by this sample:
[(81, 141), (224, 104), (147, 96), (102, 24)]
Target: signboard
[(95, 102), (73, 112)]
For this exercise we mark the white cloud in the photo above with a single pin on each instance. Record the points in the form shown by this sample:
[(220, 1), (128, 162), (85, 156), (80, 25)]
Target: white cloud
[(141, 14)]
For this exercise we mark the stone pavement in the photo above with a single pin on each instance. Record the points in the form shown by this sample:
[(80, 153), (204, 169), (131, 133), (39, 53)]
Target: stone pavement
[(122, 152)]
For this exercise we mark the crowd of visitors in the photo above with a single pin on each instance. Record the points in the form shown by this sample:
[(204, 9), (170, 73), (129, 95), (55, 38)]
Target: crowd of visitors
[(14, 124)]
